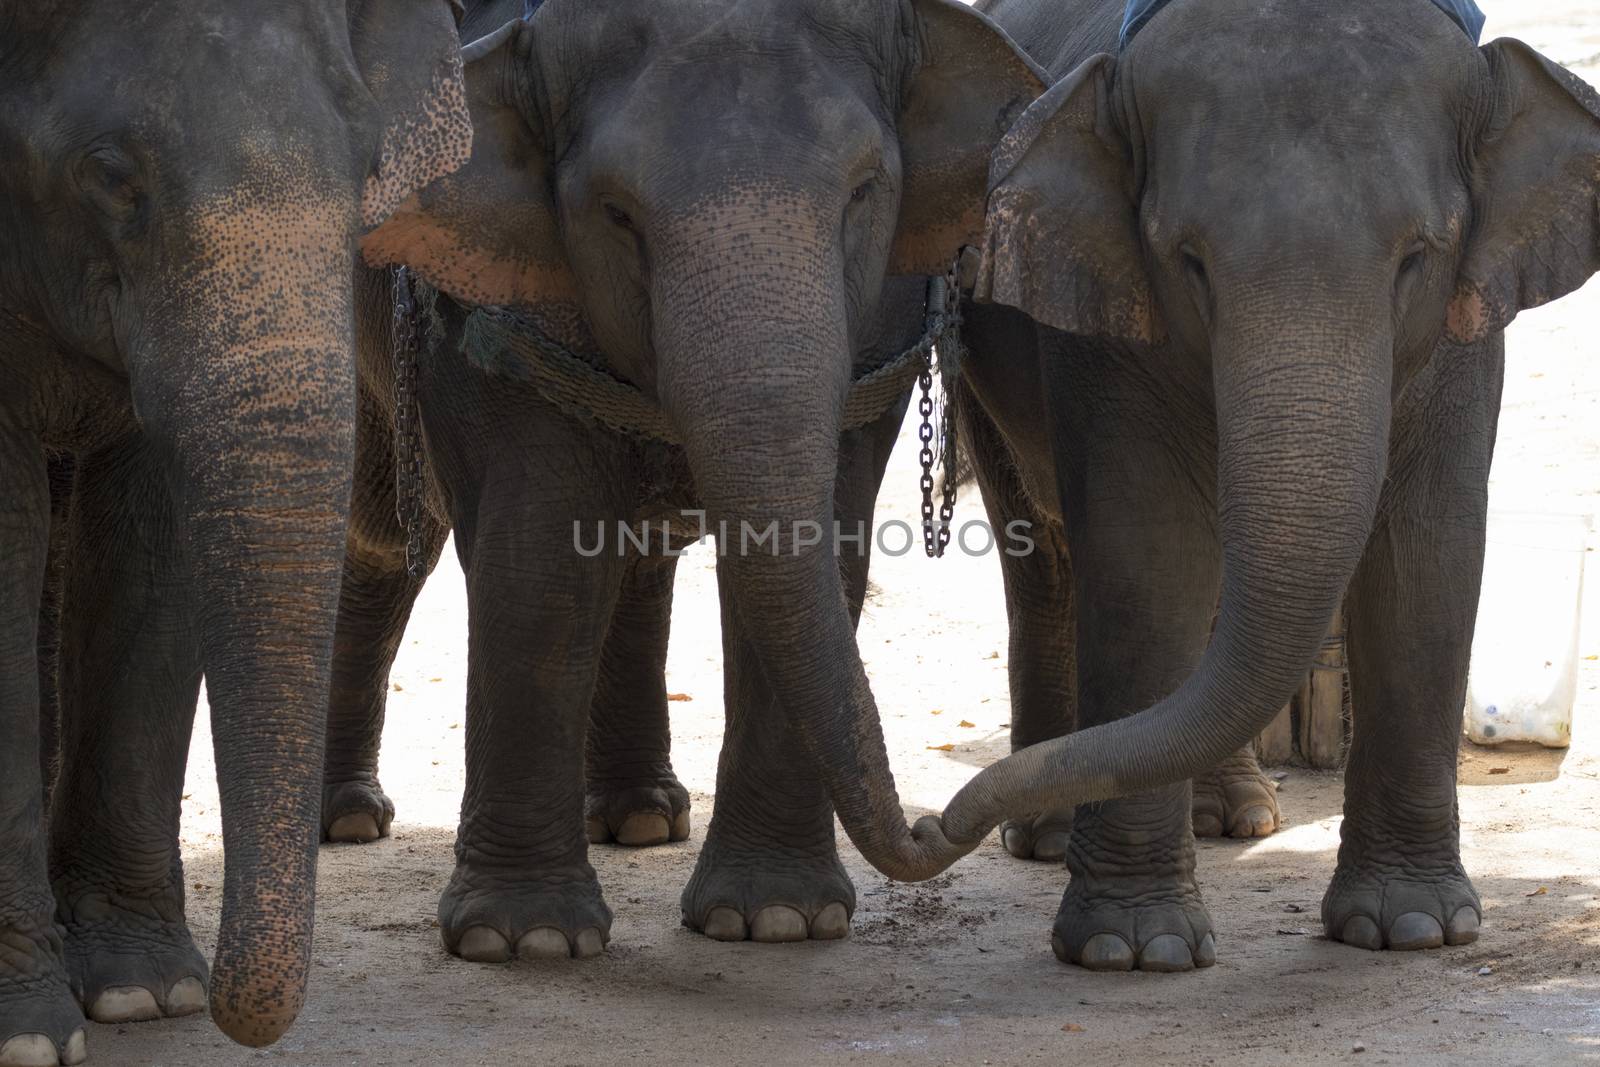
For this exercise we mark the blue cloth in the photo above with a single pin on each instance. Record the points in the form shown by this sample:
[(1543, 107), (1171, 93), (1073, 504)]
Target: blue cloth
[(1464, 12)]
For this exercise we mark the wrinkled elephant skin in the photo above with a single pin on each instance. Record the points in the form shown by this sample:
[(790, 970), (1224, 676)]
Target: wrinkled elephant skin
[(1258, 266), (707, 200), (182, 188)]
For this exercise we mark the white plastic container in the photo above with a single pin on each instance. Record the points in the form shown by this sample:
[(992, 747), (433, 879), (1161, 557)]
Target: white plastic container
[(1524, 676)]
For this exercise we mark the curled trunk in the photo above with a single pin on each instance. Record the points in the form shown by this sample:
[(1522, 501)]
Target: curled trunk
[(1302, 445), (755, 371)]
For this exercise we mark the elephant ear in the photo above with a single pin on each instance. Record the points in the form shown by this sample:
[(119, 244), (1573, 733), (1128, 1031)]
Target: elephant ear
[(410, 59), (488, 233), (1062, 241), (1536, 193), (969, 83)]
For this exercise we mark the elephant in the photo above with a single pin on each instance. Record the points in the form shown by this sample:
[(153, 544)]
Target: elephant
[(1257, 259), (732, 209), (632, 795), (181, 191)]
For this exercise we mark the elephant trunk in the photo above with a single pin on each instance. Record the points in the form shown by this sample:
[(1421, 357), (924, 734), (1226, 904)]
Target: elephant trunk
[(754, 371), (1302, 446), (245, 374)]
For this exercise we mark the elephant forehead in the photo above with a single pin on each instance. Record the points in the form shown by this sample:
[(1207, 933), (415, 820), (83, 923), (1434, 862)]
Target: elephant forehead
[(1302, 65), (594, 38), (1464, 13)]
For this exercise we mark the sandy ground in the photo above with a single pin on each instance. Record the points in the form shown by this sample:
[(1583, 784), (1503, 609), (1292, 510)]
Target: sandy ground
[(960, 970)]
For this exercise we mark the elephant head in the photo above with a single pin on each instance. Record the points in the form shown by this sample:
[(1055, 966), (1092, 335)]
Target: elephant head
[(712, 194), (1302, 204), (181, 191)]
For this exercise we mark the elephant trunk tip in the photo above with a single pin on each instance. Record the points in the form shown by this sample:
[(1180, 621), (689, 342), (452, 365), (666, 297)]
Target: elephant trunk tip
[(257, 993), (259, 1026)]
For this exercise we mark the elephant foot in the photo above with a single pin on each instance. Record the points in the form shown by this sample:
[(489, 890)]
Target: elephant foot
[(770, 897), (637, 812), (1235, 799), (1395, 905), (128, 963), (41, 1024), (355, 813), (1039, 837), (530, 914), (1124, 926)]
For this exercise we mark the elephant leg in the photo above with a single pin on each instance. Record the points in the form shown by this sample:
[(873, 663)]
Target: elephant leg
[(537, 617), (375, 603), (1042, 616), (40, 1020), (1235, 799), (633, 796), (769, 869), (129, 681), (1136, 491), (1412, 605)]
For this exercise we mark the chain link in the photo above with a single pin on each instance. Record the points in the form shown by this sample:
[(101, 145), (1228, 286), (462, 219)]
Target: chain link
[(942, 344), (406, 341)]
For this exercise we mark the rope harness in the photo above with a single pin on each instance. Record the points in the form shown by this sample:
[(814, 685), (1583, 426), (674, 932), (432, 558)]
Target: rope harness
[(508, 344)]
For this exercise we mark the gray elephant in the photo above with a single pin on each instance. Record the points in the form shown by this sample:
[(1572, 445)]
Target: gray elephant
[(702, 200), (181, 189), (1265, 254)]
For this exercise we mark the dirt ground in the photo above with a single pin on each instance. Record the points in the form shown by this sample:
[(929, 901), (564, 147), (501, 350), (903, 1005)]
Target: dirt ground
[(959, 970)]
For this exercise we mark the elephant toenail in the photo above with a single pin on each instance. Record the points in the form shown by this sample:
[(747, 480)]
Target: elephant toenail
[(1361, 932), (680, 826), (588, 944), (1106, 952), (597, 831), (831, 923), (77, 1049), (1415, 930), (1050, 847), (1059, 947), (124, 1004), (725, 924), (1207, 826), (777, 923), (186, 997), (544, 943), (1016, 842), (1255, 821), (644, 828), (480, 944), (1166, 953), (357, 829), (1464, 926), (1206, 954)]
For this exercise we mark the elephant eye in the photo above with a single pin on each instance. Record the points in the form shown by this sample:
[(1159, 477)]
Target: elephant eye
[(108, 177), (1410, 271), (861, 192), (1413, 261), (618, 217)]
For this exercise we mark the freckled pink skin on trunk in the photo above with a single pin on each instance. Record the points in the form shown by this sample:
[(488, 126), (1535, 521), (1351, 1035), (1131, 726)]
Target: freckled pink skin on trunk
[(261, 420), (420, 146)]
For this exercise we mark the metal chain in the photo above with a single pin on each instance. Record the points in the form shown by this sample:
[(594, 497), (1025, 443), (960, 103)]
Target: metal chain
[(945, 303), (407, 425)]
